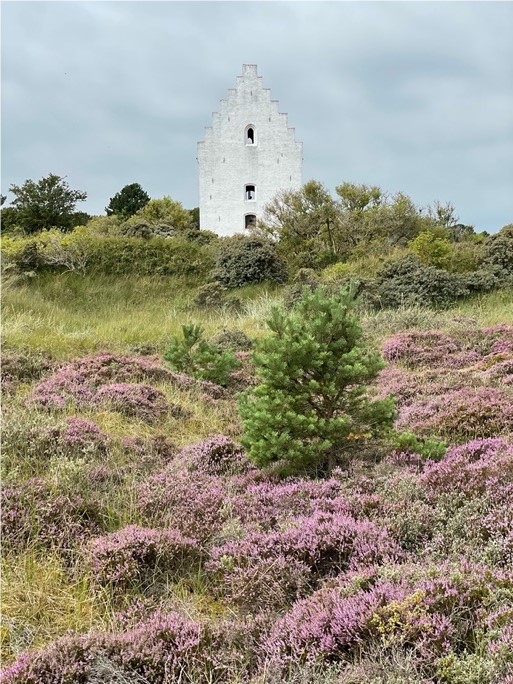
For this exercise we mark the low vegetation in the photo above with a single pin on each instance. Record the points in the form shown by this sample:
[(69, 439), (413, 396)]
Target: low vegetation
[(262, 483)]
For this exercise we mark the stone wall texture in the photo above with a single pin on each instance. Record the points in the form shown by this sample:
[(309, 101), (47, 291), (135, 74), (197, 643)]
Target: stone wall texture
[(229, 162)]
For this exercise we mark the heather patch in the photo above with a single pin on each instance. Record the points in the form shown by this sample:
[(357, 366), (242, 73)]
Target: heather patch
[(190, 503), (34, 512), (472, 468), (139, 401), (134, 555), (23, 367), (82, 382), (30, 442), (267, 505), (464, 414), (78, 380), (424, 611), (164, 648), (424, 348), (312, 547), (216, 455)]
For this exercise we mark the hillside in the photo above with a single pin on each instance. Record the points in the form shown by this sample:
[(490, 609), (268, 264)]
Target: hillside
[(141, 545)]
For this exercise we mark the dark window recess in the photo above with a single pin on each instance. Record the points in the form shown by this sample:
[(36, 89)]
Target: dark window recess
[(249, 220), (250, 137), (250, 192)]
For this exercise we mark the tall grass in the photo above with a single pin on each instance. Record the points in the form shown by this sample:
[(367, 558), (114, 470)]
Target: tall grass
[(70, 315)]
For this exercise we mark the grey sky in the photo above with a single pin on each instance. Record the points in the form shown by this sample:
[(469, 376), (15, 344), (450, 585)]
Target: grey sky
[(412, 96)]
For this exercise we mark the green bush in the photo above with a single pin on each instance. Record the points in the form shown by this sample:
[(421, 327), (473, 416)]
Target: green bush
[(312, 400), (193, 355), (86, 251), (407, 281), (499, 250), (210, 296), (242, 259)]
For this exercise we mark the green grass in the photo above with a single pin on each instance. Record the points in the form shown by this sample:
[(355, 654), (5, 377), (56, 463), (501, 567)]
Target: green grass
[(71, 315)]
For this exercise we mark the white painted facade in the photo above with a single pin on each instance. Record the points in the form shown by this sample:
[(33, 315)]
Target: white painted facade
[(248, 155)]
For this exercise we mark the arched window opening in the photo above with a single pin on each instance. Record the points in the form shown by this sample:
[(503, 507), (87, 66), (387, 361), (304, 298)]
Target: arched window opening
[(249, 220), (250, 135), (250, 192)]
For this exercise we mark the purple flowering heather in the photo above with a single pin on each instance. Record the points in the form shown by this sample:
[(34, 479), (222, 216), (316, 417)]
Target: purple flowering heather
[(313, 547), (266, 505), (34, 512), (141, 401), (325, 626), (189, 503), (131, 555), (82, 433), (79, 380), (464, 414), (472, 468), (216, 455), (420, 349)]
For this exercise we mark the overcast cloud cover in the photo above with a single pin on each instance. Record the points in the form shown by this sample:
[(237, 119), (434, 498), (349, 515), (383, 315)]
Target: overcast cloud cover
[(412, 96)]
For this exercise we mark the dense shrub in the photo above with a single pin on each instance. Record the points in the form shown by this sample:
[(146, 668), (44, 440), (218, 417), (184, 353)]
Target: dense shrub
[(245, 259), (408, 281), (133, 555), (233, 340), (210, 296), (185, 502), (87, 251), (469, 413), (499, 250), (34, 512)]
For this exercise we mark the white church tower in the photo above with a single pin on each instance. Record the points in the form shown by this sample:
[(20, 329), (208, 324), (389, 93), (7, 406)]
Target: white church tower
[(248, 155)]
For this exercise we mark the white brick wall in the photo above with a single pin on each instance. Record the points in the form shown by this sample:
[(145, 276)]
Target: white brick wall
[(227, 164)]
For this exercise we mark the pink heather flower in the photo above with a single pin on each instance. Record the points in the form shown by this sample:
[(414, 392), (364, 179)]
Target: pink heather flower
[(134, 553), (216, 455), (418, 349), (141, 401), (82, 434), (189, 503), (472, 468), (462, 414)]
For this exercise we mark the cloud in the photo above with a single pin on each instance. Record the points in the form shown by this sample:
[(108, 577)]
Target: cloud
[(413, 96)]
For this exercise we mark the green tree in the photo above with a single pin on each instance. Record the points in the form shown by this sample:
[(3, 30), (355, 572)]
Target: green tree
[(128, 201), (165, 216), (431, 248), (313, 399), (499, 249), (304, 223), (371, 217), (192, 354), (48, 203)]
